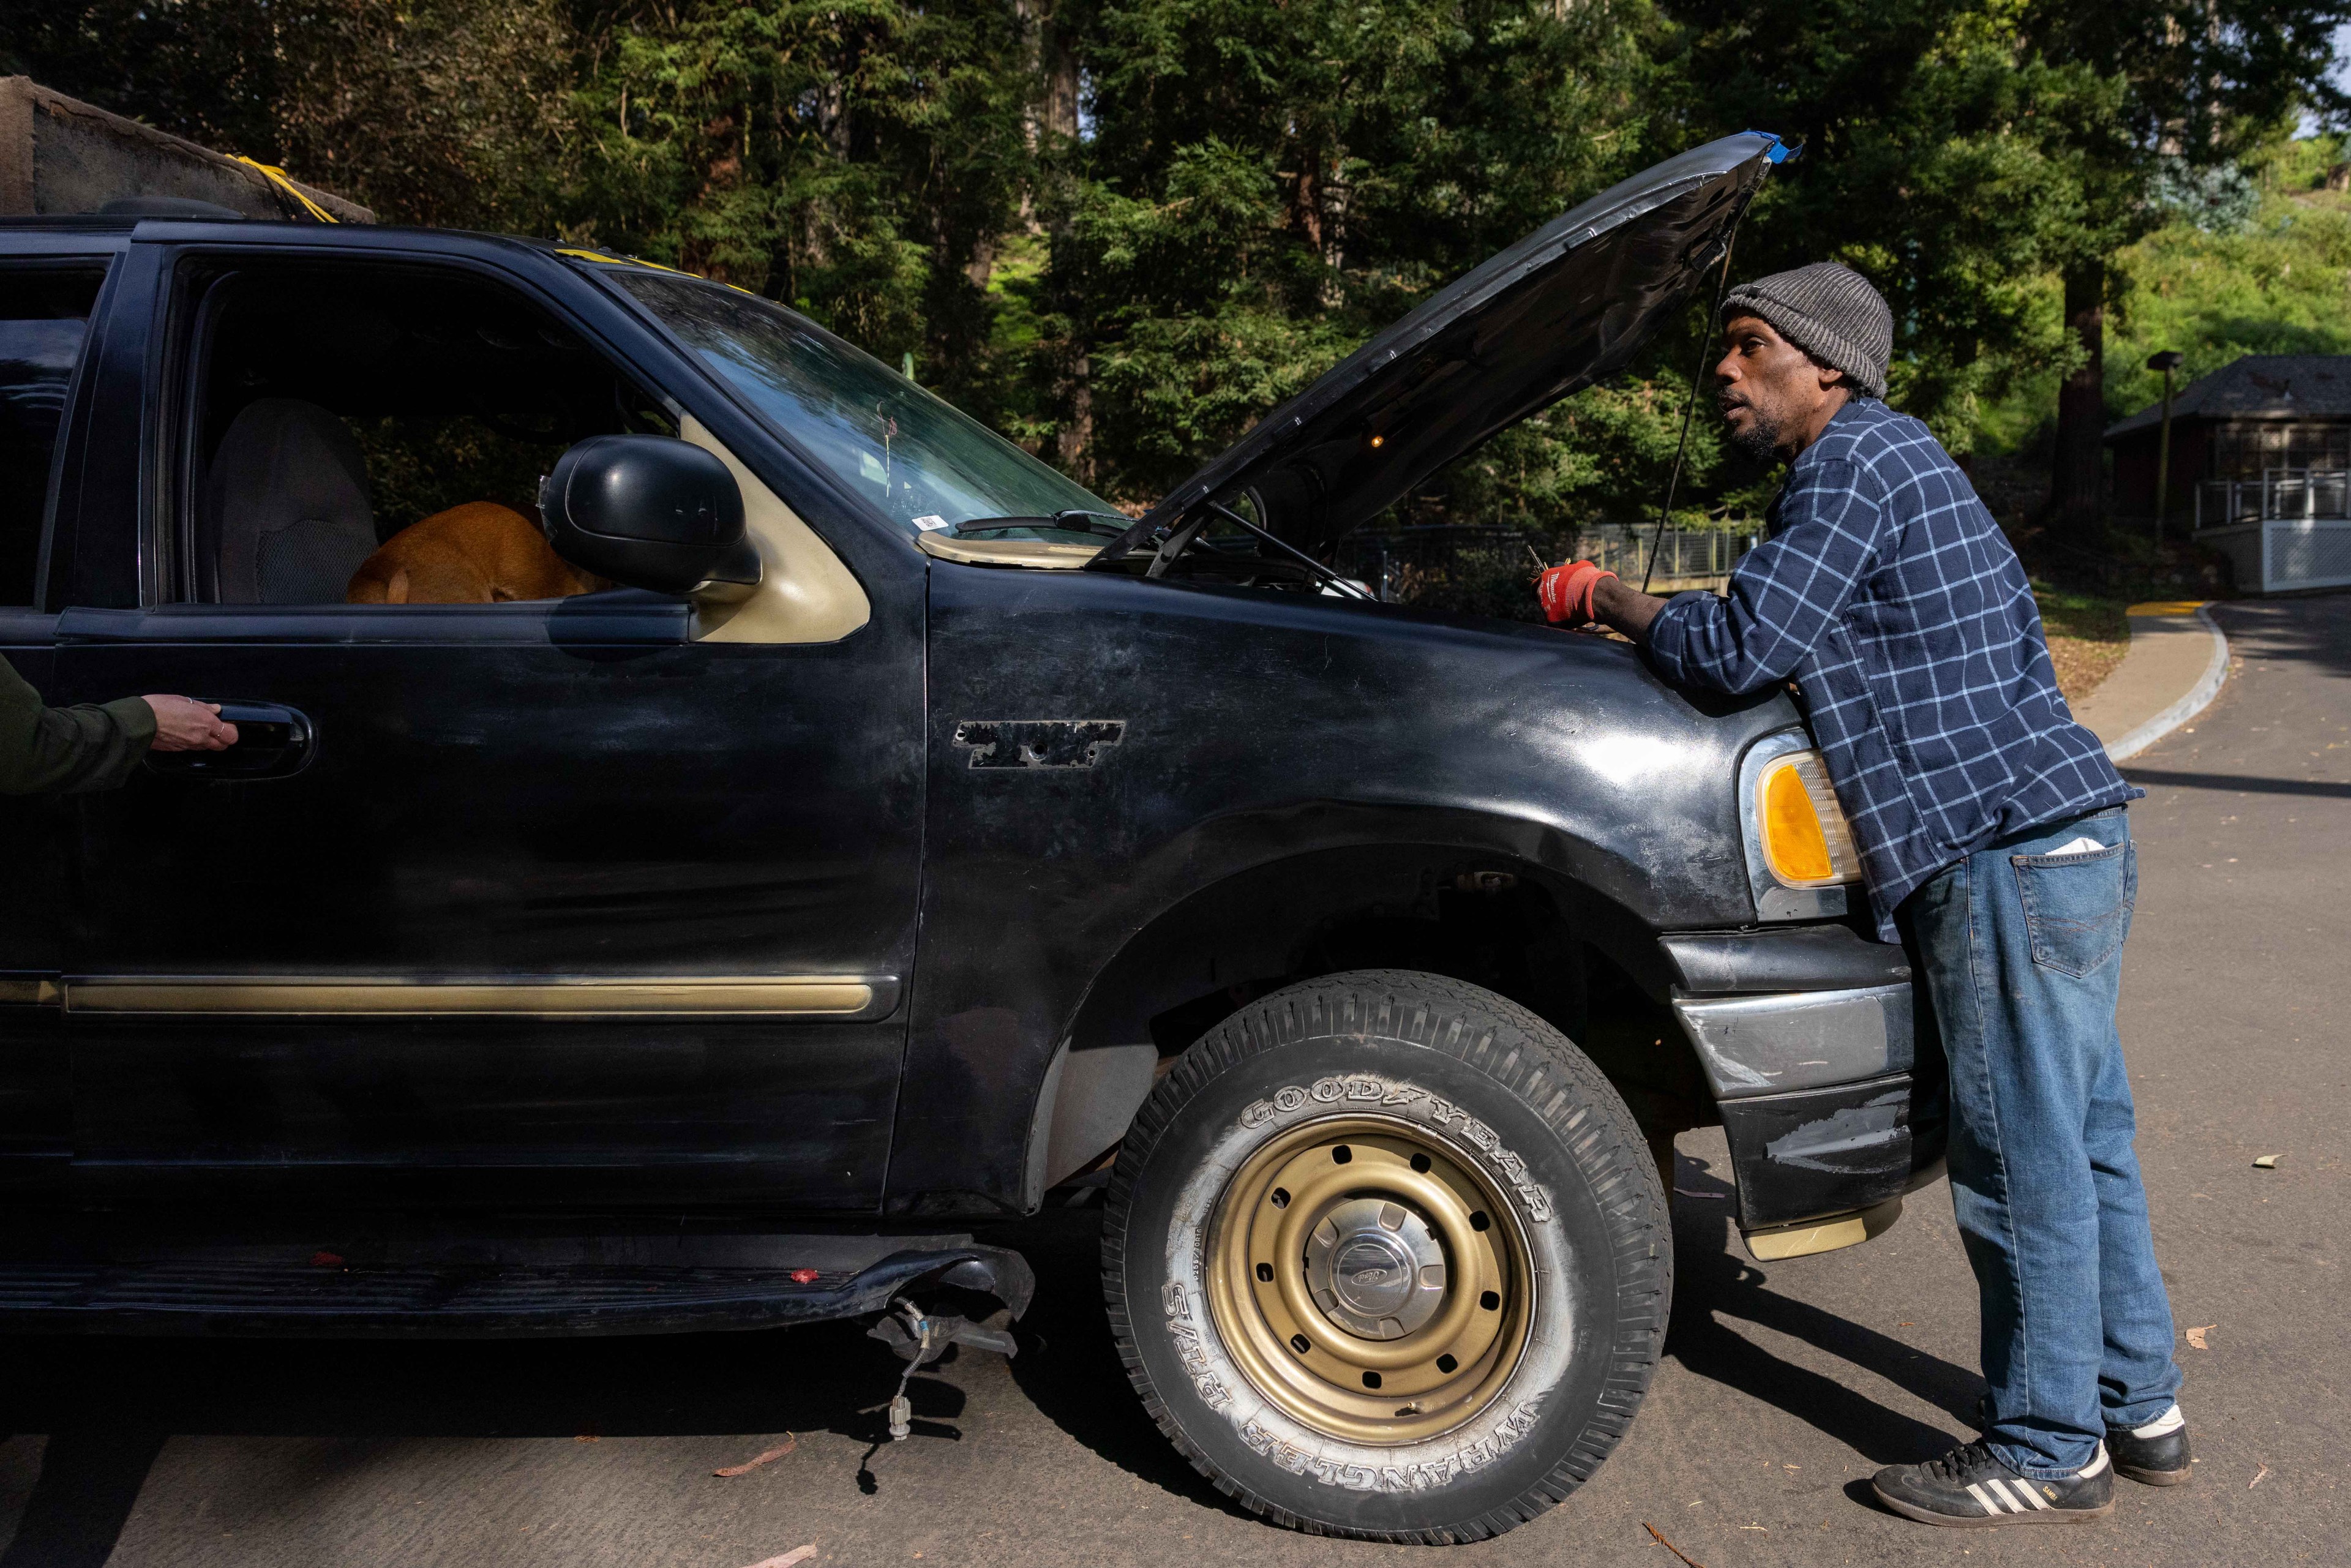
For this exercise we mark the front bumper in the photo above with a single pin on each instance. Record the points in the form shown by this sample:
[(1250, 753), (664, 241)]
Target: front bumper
[(1822, 1059)]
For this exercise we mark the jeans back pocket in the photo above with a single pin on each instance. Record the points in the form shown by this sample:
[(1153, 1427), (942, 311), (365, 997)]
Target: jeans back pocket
[(2077, 907)]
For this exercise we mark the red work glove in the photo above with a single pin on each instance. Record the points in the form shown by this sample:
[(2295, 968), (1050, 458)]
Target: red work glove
[(1566, 591)]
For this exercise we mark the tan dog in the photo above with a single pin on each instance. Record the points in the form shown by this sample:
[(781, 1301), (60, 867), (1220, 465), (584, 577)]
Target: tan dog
[(479, 553)]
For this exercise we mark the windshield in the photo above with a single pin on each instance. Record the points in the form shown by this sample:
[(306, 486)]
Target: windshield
[(923, 462)]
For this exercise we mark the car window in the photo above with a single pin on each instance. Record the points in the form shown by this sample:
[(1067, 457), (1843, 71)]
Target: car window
[(44, 318), (924, 463), (375, 433)]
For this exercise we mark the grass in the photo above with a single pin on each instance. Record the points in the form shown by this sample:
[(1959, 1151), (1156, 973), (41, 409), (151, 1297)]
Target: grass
[(2088, 635)]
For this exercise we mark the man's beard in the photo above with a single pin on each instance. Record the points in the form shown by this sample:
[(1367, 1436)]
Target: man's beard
[(1760, 439)]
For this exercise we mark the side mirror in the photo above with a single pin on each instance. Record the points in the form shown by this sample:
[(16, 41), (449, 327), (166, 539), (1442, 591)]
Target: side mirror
[(649, 511)]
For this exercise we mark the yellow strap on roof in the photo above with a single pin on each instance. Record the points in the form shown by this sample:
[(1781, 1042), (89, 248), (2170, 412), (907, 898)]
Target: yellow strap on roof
[(285, 182)]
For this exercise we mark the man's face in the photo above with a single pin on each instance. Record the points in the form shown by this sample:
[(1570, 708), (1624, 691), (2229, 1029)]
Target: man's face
[(1773, 395)]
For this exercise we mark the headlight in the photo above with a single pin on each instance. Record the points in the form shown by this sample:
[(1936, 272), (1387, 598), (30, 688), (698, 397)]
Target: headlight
[(1799, 826)]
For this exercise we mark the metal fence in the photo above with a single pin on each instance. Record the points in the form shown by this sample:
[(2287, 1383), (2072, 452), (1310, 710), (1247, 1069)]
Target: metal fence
[(2278, 493), (1464, 566), (2290, 529)]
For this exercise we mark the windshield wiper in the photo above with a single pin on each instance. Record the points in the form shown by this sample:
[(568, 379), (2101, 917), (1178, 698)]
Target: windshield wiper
[(1075, 517)]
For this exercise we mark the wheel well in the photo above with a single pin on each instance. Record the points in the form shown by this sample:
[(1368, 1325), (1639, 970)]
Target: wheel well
[(1488, 919)]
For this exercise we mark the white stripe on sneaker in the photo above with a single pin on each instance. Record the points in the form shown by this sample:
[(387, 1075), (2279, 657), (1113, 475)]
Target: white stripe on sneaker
[(2170, 1421), (1999, 1488), (2094, 1466), (1977, 1492), (2030, 1490)]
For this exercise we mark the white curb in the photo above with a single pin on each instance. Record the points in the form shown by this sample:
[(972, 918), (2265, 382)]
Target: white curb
[(2198, 697)]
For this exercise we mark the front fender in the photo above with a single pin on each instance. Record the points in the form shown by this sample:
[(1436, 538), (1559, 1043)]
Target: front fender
[(1101, 749)]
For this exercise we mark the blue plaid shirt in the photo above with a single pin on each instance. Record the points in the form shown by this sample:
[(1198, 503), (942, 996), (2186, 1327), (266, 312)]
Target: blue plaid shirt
[(1888, 593)]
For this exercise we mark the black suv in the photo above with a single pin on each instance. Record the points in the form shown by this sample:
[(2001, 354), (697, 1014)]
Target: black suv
[(904, 837)]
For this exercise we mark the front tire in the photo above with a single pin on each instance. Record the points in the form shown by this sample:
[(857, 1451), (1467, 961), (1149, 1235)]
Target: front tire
[(1387, 1257)]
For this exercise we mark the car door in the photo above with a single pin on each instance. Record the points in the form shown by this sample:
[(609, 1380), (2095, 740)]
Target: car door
[(46, 300), (545, 901)]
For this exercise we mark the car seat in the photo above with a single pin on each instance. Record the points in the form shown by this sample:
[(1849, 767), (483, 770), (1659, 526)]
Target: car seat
[(290, 509)]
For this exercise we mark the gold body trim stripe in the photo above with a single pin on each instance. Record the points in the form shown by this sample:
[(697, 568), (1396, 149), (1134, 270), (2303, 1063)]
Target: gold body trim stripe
[(796, 997)]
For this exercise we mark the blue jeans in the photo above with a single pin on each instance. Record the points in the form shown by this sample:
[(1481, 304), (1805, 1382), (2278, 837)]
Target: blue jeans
[(2023, 955)]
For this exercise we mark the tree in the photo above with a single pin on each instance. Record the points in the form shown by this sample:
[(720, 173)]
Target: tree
[(1962, 152)]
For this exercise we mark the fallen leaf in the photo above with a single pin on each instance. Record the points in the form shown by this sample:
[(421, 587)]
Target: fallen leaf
[(792, 1559), (2265, 1163), (1905, 1325), (586, 1437), (2196, 1336), (2257, 1478), (748, 1466), (804, 1276)]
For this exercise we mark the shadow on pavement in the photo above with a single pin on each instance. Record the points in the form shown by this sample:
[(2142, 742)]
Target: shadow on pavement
[(825, 1377), (1711, 1283), (376, 1395), (1071, 1372), (89, 1479), (2239, 782), (2302, 628)]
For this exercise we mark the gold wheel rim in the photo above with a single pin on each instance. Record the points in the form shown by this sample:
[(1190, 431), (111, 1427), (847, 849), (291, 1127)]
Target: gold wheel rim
[(1324, 1297)]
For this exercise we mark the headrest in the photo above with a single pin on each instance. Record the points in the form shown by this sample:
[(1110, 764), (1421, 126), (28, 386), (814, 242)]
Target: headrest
[(289, 504)]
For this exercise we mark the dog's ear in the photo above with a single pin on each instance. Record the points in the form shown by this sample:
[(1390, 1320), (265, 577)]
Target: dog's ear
[(396, 591)]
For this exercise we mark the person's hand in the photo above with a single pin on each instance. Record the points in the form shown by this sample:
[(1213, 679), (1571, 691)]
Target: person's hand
[(182, 725), (1566, 591)]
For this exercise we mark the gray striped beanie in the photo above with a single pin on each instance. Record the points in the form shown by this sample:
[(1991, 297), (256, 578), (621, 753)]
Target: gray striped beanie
[(1830, 312)]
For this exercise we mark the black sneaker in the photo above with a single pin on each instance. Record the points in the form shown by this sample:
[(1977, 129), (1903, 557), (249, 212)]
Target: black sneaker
[(1969, 1486), (2156, 1453)]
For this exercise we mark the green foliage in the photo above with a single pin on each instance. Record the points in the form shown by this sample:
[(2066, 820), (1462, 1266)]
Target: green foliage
[(2277, 285), (2274, 284), (1123, 230), (418, 465)]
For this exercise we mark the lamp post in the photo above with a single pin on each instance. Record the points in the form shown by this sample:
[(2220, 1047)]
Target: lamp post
[(2166, 361)]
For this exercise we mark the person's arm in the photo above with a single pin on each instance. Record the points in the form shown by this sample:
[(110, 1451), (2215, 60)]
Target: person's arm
[(47, 750), (1629, 609), (1784, 594)]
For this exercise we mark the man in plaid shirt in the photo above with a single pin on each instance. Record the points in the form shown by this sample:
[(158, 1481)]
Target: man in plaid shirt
[(1993, 835)]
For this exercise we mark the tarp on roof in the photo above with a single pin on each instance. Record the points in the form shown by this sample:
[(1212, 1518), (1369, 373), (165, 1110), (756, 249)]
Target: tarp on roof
[(60, 155)]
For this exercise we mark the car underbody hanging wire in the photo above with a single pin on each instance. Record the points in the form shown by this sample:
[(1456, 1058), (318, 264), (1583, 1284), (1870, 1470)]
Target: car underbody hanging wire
[(1698, 383)]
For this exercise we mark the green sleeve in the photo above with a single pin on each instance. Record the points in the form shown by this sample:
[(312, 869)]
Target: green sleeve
[(47, 750)]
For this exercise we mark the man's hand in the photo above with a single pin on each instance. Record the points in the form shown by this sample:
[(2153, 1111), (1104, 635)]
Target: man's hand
[(181, 725), (1582, 592), (1566, 591)]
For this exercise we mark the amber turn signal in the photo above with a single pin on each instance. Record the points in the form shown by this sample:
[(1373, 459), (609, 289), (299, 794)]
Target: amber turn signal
[(1806, 840)]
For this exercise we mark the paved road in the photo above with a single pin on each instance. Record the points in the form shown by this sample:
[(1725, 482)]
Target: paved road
[(1783, 1386)]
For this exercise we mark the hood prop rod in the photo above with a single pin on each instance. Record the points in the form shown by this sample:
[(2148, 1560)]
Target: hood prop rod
[(1690, 409), (1326, 573)]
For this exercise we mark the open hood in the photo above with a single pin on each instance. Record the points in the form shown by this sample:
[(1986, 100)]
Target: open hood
[(1565, 307)]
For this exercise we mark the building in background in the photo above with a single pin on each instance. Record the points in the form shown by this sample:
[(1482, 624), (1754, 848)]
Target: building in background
[(2261, 469)]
